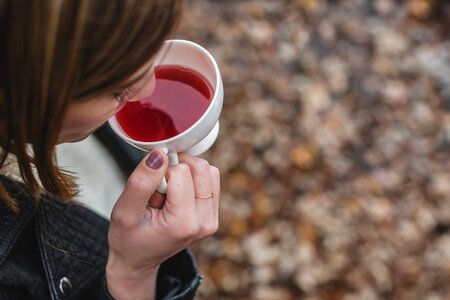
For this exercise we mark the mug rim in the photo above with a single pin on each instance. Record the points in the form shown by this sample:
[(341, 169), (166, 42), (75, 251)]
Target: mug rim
[(218, 86)]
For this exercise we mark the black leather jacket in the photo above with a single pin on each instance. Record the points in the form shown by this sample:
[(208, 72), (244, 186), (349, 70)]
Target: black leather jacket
[(58, 250)]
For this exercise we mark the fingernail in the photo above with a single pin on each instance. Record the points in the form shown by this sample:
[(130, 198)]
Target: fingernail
[(154, 160)]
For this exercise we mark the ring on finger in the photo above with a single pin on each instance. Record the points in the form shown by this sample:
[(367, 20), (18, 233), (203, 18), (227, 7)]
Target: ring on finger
[(207, 197)]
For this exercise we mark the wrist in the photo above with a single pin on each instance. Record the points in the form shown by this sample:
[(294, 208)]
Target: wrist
[(124, 283)]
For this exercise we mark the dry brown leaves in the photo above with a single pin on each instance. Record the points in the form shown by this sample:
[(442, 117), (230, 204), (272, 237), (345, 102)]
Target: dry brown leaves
[(334, 148)]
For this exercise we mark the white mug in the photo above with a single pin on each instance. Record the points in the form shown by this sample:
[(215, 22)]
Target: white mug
[(203, 133)]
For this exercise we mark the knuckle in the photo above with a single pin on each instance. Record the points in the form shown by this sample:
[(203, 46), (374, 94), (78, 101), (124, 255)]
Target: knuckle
[(202, 166), (189, 231), (137, 183), (214, 227), (210, 229), (182, 168), (119, 219), (215, 171)]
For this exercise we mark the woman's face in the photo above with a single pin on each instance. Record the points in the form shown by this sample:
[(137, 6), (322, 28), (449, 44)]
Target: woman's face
[(84, 118)]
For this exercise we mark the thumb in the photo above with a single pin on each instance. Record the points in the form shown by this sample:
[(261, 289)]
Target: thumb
[(143, 182)]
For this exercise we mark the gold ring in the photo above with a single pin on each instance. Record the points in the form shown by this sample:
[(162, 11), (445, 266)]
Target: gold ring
[(209, 197)]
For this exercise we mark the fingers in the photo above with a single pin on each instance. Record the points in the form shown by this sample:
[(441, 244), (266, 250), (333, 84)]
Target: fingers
[(180, 197), (188, 207), (206, 180), (142, 183), (201, 176)]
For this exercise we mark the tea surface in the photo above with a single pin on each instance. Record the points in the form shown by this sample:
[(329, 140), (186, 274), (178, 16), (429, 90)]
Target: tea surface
[(180, 98)]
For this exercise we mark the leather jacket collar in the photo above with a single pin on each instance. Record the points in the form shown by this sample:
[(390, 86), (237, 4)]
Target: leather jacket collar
[(71, 239)]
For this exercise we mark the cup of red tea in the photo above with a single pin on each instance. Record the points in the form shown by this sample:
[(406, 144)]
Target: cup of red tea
[(182, 113)]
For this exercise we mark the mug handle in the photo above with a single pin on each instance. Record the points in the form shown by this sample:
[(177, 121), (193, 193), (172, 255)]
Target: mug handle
[(173, 160)]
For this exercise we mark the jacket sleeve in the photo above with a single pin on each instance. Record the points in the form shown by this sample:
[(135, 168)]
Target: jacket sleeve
[(178, 279)]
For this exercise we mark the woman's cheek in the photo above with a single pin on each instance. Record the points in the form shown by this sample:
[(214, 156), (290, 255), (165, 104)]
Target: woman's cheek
[(148, 86)]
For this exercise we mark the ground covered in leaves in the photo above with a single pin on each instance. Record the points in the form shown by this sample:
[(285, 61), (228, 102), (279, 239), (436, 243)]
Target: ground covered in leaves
[(334, 148)]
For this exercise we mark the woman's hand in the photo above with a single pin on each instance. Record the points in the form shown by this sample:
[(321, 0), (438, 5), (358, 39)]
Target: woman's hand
[(147, 228)]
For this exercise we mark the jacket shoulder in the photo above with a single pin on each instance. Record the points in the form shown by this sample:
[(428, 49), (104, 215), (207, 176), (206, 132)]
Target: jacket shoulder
[(73, 244)]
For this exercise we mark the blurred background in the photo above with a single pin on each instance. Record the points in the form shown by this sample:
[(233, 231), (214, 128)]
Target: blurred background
[(334, 148)]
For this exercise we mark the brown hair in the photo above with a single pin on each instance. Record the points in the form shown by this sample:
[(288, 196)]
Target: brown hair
[(55, 52)]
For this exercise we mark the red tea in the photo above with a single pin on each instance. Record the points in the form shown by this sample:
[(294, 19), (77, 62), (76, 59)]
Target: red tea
[(180, 98)]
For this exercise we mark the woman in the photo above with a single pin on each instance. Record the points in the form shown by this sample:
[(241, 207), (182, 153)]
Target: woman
[(66, 67)]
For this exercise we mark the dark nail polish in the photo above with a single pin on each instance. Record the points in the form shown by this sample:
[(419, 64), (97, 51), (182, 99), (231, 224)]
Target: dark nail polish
[(154, 160)]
